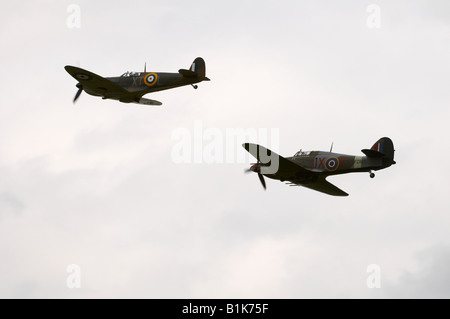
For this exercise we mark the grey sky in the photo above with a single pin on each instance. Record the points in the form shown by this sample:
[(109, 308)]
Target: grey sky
[(94, 184)]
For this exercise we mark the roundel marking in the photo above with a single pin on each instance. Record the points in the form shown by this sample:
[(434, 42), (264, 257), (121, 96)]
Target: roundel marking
[(332, 164), (81, 76), (150, 79)]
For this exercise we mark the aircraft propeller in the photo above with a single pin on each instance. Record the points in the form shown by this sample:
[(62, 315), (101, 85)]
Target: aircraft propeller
[(257, 169), (80, 89)]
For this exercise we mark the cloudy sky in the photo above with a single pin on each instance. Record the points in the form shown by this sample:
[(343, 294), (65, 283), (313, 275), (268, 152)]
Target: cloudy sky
[(96, 184)]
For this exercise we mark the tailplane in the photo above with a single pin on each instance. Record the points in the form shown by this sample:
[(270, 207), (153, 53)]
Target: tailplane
[(383, 148), (197, 69)]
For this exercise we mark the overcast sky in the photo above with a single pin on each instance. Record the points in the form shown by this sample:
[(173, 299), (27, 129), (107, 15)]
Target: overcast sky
[(96, 185)]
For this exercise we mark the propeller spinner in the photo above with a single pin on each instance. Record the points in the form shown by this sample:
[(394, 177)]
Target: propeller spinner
[(257, 169)]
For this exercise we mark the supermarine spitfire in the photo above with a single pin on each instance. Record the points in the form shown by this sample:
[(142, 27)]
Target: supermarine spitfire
[(310, 169), (130, 87)]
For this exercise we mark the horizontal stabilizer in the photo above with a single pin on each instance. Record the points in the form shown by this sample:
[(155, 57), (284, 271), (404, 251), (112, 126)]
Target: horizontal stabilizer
[(187, 73), (383, 148), (197, 70), (372, 153)]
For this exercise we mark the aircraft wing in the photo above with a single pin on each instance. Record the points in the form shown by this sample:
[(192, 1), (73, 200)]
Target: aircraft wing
[(148, 102), (95, 83), (286, 168), (323, 186), (294, 173)]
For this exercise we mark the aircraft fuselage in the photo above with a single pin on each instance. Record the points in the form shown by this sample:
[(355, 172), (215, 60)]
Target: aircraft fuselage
[(328, 163)]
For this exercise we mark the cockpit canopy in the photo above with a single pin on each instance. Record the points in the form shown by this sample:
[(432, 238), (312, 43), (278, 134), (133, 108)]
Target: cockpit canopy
[(302, 153), (128, 74)]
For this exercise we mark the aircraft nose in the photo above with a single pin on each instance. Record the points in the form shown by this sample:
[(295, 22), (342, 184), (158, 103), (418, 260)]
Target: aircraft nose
[(255, 168)]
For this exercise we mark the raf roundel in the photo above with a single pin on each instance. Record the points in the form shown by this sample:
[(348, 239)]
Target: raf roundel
[(150, 79), (81, 76), (332, 164)]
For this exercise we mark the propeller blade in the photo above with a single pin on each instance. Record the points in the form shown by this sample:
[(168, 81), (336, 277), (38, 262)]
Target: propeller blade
[(80, 89), (256, 168), (263, 182)]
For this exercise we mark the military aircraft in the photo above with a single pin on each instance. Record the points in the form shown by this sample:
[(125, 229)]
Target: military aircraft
[(131, 86), (310, 169)]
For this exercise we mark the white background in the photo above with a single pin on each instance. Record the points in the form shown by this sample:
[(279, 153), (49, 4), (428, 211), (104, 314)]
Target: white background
[(94, 184)]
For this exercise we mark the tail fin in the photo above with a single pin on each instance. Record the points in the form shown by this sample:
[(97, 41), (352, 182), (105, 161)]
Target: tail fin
[(383, 148), (197, 69)]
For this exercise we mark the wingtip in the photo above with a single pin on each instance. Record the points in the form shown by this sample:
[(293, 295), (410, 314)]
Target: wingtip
[(70, 68)]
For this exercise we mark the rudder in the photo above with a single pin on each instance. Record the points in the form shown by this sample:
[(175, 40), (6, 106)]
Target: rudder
[(197, 69), (383, 148)]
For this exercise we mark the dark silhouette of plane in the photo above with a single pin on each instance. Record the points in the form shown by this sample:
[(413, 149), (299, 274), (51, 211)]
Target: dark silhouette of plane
[(130, 87), (310, 169)]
